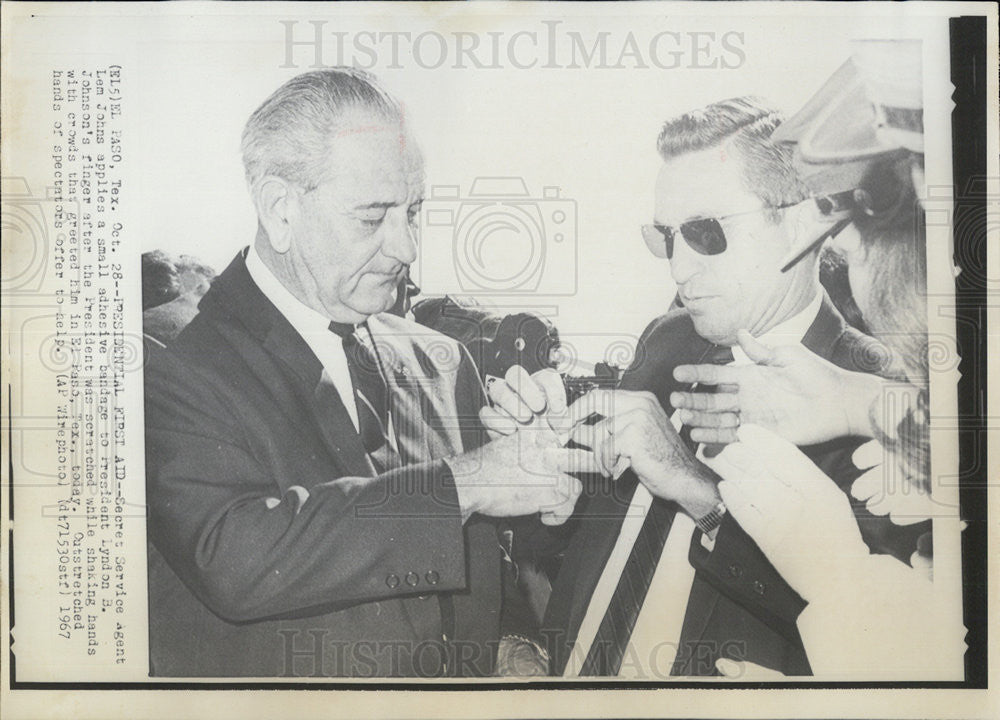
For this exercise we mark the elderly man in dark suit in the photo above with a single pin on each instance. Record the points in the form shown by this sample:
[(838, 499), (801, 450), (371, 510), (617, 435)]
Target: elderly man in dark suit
[(320, 500), (658, 579)]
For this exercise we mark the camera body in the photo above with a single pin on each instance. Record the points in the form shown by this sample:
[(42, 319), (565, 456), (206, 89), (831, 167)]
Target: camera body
[(498, 240)]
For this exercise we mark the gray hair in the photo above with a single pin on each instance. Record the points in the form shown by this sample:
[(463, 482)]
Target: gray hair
[(289, 134), (749, 121)]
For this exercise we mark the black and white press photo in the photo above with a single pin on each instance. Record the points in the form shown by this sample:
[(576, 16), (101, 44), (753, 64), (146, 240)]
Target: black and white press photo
[(453, 351)]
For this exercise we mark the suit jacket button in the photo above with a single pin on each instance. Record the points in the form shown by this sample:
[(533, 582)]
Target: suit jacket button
[(432, 578), (412, 579), (392, 581), (736, 571), (759, 587)]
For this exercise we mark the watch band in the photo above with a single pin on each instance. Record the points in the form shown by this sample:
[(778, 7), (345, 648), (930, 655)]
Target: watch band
[(710, 521)]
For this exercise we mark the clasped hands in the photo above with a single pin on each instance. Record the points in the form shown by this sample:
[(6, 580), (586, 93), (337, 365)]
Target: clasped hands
[(631, 430)]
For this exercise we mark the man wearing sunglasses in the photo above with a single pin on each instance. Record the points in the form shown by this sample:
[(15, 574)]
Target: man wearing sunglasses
[(658, 579)]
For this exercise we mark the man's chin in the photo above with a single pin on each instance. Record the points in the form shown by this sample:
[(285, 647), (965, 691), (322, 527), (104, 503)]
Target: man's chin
[(713, 332), (375, 303)]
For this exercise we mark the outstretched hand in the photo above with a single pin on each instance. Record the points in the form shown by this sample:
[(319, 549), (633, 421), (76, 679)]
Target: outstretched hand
[(788, 390)]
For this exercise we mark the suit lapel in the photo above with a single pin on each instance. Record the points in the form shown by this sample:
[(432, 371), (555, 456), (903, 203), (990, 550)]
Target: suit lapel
[(234, 294), (423, 410)]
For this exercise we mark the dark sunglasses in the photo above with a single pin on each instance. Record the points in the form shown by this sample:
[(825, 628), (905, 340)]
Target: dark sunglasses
[(705, 235)]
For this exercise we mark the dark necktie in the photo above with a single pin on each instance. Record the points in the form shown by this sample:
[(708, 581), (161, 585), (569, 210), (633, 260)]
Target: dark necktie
[(605, 655), (371, 394)]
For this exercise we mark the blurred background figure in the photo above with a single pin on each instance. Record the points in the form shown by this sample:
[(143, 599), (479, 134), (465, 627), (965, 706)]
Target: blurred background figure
[(172, 287), (863, 133)]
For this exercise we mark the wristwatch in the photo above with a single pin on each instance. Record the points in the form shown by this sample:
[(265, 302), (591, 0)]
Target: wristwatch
[(711, 520)]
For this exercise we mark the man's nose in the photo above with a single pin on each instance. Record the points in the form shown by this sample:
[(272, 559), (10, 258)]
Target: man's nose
[(685, 263), (400, 242)]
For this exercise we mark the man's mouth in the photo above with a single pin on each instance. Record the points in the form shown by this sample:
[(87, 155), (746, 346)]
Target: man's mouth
[(393, 276), (689, 299)]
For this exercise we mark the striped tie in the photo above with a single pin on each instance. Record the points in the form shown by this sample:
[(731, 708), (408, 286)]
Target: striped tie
[(371, 395), (606, 652)]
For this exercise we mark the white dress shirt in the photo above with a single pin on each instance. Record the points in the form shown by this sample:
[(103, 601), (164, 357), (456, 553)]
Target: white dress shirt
[(654, 643), (312, 326)]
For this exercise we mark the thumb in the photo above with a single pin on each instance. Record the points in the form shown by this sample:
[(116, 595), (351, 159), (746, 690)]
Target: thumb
[(755, 350)]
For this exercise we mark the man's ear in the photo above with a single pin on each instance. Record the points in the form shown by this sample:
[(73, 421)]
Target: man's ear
[(810, 220), (275, 200)]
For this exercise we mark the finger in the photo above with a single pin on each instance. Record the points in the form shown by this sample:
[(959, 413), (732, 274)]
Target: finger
[(605, 452), (868, 455), (585, 435), (913, 509), (878, 506), (572, 460), (595, 401), (556, 517), (620, 422), (870, 484), (532, 395), (551, 384), (593, 437), (734, 463), (755, 350), (623, 464), (697, 418), (714, 436), (742, 463), (706, 374), (712, 402), (613, 402), (497, 421), (504, 397), (562, 507)]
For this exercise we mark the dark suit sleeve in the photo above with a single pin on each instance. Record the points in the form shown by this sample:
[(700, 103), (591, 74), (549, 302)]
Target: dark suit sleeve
[(250, 555), (737, 568)]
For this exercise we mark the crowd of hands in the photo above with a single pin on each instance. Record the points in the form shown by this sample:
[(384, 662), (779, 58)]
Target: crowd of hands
[(760, 412)]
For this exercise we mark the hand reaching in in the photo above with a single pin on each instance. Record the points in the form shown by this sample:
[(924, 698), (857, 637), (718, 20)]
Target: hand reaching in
[(789, 390)]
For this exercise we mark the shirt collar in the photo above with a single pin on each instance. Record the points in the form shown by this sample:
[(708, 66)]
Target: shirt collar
[(787, 332), (303, 318)]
